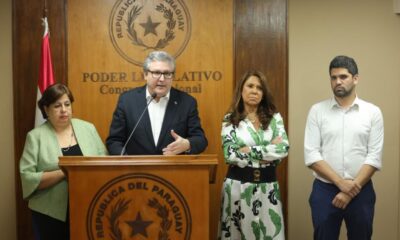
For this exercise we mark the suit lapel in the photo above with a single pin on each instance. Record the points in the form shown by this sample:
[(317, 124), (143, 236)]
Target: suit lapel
[(169, 117)]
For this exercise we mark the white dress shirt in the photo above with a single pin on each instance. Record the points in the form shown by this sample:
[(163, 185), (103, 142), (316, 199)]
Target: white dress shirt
[(156, 114), (345, 138)]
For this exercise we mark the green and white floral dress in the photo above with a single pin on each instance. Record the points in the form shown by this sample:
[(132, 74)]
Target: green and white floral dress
[(252, 210)]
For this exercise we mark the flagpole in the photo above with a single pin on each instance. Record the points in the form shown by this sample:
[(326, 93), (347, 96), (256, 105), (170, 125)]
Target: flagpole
[(45, 9), (46, 77)]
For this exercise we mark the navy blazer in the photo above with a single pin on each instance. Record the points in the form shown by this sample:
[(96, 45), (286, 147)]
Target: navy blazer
[(181, 116)]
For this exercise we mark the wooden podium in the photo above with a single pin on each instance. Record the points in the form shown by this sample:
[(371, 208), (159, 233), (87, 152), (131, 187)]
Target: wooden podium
[(139, 197)]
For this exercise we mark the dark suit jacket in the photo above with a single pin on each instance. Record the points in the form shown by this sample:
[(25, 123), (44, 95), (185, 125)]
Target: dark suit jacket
[(181, 115)]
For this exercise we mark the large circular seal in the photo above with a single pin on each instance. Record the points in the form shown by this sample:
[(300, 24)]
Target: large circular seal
[(138, 204), (139, 26)]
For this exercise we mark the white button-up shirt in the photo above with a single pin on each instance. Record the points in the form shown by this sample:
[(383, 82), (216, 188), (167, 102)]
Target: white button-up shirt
[(156, 114), (345, 138)]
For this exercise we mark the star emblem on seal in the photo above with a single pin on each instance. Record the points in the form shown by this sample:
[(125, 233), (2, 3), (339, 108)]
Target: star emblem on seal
[(139, 226), (149, 26), (138, 27)]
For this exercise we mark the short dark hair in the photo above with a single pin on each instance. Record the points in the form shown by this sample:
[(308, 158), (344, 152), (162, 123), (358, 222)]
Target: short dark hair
[(344, 62), (52, 94)]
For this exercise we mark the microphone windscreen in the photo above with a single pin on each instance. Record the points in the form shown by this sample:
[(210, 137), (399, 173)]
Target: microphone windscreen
[(154, 95)]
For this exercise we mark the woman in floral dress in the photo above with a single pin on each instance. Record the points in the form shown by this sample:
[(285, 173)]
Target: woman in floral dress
[(254, 141)]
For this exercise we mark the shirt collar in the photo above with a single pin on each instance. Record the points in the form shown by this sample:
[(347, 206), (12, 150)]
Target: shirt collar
[(148, 95), (354, 105)]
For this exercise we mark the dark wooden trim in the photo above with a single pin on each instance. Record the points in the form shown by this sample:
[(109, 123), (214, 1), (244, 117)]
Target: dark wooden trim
[(261, 42)]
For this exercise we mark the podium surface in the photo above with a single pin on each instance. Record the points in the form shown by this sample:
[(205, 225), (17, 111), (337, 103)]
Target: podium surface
[(139, 197)]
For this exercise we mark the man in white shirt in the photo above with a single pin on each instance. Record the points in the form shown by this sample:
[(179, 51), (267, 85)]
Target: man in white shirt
[(343, 146)]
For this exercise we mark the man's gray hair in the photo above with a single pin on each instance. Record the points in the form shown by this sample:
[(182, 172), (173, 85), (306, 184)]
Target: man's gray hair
[(160, 56)]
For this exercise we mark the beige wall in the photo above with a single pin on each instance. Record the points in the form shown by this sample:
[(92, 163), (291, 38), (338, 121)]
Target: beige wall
[(7, 199), (369, 31)]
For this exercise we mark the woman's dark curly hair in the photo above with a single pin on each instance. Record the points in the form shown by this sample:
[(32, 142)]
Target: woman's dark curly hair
[(266, 108)]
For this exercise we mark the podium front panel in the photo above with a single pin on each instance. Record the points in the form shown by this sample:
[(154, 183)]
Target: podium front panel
[(139, 202)]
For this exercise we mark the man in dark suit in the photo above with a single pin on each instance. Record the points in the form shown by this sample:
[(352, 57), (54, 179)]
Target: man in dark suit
[(169, 126)]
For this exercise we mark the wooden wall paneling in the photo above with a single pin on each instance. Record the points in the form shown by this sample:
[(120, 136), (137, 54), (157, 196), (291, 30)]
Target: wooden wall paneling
[(27, 37), (261, 43), (209, 50)]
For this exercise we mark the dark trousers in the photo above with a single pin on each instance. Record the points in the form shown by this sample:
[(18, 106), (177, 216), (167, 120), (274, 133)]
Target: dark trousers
[(48, 228), (327, 219)]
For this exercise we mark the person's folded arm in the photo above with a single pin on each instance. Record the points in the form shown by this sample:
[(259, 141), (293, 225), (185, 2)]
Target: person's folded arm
[(234, 149), (278, 147)]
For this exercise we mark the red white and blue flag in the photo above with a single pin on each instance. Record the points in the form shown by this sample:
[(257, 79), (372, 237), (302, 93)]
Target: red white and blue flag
[(46, 77)]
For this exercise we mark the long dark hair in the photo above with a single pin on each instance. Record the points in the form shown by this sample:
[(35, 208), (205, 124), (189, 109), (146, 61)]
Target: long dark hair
[(266, 108)]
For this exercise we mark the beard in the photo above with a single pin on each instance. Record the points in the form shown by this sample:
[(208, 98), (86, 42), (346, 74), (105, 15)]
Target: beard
[(341, 92)]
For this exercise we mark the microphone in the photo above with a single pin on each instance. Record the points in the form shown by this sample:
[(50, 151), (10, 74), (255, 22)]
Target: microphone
[(123, 151)]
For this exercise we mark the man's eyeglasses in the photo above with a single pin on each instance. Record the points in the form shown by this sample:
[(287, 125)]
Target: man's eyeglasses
[(157, 75)]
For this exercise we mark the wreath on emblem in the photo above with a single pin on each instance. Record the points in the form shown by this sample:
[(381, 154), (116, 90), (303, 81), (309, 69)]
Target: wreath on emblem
[(122, 205), (169, 33), (162, 212), (116, 211)]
